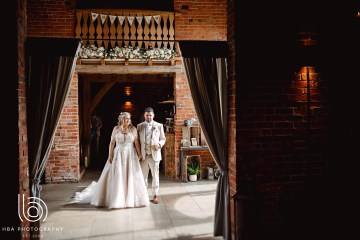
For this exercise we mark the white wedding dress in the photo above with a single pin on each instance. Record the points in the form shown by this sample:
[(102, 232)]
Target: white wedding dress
[(121, 183)]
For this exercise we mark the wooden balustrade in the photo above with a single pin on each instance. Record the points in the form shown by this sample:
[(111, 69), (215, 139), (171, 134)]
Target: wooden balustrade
[(109, 35)]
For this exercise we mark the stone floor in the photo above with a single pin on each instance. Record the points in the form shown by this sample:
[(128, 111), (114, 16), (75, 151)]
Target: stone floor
[(185, 211)]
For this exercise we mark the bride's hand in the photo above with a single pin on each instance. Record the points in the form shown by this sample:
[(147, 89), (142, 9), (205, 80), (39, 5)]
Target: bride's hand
[(110, 160)]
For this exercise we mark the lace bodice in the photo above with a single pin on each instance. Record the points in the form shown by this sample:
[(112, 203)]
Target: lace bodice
[(124, 139)]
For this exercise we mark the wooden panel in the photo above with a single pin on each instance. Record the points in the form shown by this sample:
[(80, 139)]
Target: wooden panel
[(168, 153), (127, 69), (191, 132)]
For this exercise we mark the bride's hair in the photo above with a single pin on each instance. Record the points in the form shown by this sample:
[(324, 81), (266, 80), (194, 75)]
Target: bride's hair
[(121, 121)]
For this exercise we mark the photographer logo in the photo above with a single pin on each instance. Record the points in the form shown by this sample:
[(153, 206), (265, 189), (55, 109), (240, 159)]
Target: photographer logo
[(35, 210)]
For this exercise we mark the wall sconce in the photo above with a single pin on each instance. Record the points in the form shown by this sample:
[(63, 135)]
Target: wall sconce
[(128, 91)]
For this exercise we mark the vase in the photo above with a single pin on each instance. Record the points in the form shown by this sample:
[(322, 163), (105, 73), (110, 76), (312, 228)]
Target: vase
[(193, 178)]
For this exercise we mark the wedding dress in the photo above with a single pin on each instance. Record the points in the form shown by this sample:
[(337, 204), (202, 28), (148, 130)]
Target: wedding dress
[(121, 183)]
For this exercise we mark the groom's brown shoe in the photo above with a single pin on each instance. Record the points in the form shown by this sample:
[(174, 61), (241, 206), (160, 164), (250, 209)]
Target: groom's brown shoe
[(155, 199)]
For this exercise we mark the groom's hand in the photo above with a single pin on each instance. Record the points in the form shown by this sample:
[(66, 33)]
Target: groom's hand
[(156, 146)]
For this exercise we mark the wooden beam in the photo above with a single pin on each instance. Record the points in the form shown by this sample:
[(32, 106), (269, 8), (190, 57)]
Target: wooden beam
[(109, 69), (127, 78), (100, 95)]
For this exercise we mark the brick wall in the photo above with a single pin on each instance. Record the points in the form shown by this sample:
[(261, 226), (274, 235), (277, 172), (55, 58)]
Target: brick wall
[(281, 156), (185, 110), (50, 18), (200, 20), (63, 163), (22, 138)]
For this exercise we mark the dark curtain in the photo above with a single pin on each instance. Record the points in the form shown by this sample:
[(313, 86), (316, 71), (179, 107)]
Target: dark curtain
[(206, 69), (50, 64)]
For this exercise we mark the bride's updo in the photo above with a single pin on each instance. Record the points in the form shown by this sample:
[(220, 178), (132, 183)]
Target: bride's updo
[(121, 121)]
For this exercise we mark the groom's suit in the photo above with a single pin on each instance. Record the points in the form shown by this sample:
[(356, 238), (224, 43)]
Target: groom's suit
[(149, 135)]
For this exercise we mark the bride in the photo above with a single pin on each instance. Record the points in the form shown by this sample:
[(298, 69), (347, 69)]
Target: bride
[(121, 183)]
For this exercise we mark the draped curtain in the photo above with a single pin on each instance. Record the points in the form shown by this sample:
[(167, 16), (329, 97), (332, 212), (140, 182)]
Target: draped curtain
[(206, 70), (50, 64)]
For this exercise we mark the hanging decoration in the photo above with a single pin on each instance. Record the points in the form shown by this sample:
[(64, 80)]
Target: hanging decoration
[(139, 19), (94, 16), (112, 18), (121, 19), (103, 18), (157, 19), (148, 19), (130, 20)]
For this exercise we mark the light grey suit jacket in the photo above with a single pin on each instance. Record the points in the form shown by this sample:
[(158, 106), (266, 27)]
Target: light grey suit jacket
[(158, 137)]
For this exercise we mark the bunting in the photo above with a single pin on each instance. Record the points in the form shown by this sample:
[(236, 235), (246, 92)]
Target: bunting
[(157, 19), (103, 18), (139, 19), (94, 16), (148, 19), (112, 18), (121, 19), (130, 19)]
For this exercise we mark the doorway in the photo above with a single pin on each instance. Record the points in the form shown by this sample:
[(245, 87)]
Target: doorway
[(110, 94)]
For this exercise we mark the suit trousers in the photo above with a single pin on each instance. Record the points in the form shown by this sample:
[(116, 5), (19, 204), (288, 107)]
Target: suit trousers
[(147, 164)]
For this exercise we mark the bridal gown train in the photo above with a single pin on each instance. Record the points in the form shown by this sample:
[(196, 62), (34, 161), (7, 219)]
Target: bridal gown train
[(121, 183)]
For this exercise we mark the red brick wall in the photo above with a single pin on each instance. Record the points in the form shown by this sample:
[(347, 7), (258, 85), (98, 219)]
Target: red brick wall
[(202, 20), (23, 144), (50, 18), (63, 163), (279, 161)]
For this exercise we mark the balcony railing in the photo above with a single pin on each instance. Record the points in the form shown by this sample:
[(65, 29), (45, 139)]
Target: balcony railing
[(109, 35)]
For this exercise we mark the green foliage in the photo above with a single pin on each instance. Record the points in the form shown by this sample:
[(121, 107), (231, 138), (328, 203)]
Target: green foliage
[(193, 168)]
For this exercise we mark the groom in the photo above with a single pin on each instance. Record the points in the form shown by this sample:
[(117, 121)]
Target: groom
[(152, 138)]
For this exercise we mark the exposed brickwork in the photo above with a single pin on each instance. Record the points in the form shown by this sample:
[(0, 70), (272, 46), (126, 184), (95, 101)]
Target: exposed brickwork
[(184, 110), (273, 139), (63, 163), (50, 18), (23, 144), (202, 20)]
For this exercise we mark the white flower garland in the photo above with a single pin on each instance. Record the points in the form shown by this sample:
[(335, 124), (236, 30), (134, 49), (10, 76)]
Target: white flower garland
[(93, 52)]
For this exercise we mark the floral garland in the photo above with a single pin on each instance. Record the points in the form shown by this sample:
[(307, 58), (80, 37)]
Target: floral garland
[(93, 52)]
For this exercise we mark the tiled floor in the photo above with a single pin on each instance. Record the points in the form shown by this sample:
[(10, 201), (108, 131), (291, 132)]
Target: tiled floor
[(185, 211)]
